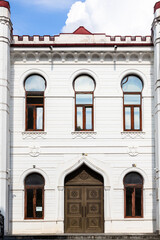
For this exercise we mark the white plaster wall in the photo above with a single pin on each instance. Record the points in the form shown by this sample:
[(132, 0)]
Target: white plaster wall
[(108, 149)]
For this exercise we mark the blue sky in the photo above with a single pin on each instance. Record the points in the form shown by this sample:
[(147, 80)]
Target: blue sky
[(51, 17), (30, 19)]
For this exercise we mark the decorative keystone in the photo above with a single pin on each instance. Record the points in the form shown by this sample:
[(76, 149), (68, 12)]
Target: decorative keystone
[(156, 6)]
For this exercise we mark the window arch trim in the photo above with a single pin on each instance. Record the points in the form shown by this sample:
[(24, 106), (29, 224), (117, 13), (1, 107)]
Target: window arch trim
[(132, 107), (34, 199), (34, 110), (84, 107), (133, 198)]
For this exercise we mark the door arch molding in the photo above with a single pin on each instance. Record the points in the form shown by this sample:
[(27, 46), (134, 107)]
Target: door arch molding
[(66, 170)]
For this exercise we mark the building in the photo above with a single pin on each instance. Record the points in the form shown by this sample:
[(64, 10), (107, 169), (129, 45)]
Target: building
[(79, 131)]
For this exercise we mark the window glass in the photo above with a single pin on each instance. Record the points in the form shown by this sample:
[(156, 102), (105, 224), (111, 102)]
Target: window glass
[(88, 118), (39, 209), (79, 118), (133, 178), (35, 83), (34, 179), (138, 206), (30, 203), (84, 98), (84, 84), (136, 118), (30, 117), (129, 193), (127, 118), (39, 118), (132, 84), (132, 99)]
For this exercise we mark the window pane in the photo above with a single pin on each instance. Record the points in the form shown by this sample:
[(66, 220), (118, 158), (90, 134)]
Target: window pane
[(136, 118), (138, 201), (79, 119), (129, 192), (133, 178), (39, 119), (84, 84), (131, 99), (39, 209), (34, 179), (29, 203), (88, 118), (34, 100), (132, 84), (35, 83), (83, 98), (127, 118), (30, 117)]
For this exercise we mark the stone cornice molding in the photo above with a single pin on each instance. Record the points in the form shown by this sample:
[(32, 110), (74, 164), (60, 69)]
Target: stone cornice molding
[(83, 57), (6, 21)]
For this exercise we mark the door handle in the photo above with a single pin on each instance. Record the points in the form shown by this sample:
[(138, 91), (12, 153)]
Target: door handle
[(85, 211), (82, 211)]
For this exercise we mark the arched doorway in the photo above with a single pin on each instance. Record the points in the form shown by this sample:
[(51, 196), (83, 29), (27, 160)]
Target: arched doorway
[(84, 201)]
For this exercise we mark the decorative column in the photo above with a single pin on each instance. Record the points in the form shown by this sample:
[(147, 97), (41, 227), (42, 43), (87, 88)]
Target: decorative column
[(156, 42), (61, 206), (5, 38)]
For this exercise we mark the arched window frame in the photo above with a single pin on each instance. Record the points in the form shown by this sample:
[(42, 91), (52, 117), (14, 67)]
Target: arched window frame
[(132, 106), (29, 96), (134, 187), (33, 188), (84, 106)]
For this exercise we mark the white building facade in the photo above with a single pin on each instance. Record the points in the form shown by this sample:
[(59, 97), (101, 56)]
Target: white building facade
[(79, 131)]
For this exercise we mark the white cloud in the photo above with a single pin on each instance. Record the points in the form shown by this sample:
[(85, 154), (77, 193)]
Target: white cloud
[(49, 4), (113, 17)]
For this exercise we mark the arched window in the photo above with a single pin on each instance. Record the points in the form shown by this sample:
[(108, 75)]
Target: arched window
[(35, 86), (132, 103), (34, 196), (133, 195), (84, 87)]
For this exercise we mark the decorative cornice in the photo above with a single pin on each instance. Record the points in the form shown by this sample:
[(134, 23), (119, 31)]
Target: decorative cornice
[(133, 135), (82, 57), (83, 134), (33, 135)]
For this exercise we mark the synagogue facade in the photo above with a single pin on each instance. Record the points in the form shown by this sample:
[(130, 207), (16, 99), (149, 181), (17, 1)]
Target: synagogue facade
[(79, 131)]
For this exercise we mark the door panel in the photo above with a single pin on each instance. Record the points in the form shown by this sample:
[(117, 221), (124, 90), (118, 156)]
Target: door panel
[(84, 209), (94, 219), (73, 209)]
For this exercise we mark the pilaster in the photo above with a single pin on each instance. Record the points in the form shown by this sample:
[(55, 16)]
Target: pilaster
[(5, 37)]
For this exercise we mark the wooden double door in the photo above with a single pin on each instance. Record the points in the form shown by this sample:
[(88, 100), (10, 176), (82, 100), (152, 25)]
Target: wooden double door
[(84, 204)]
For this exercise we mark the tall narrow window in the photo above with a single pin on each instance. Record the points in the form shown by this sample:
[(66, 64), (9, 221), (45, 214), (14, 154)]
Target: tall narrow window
[(132, 103), (35, 87), (84, 87), (34, 196), (133, 195)]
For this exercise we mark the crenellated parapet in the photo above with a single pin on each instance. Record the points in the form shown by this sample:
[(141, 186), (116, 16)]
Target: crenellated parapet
[(81, 40)]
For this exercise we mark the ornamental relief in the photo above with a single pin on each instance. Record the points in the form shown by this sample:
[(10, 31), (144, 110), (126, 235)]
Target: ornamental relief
[(87, 57), (34, 151), (133, 151)]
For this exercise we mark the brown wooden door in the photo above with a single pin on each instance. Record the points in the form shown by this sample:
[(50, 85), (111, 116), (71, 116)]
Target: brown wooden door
[(84, 204), (84, 209)]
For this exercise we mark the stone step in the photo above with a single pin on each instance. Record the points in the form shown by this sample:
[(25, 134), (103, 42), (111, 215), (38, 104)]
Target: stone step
[(87, 237)]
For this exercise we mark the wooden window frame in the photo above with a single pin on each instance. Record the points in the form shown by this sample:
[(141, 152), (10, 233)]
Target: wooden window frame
[(134, 186), (34, 187), (132, 106), (84, 106), (34, 105)]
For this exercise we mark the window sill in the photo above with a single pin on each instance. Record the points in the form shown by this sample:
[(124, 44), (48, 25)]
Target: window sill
[(84, 134), (33, 134), (132, 134)]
